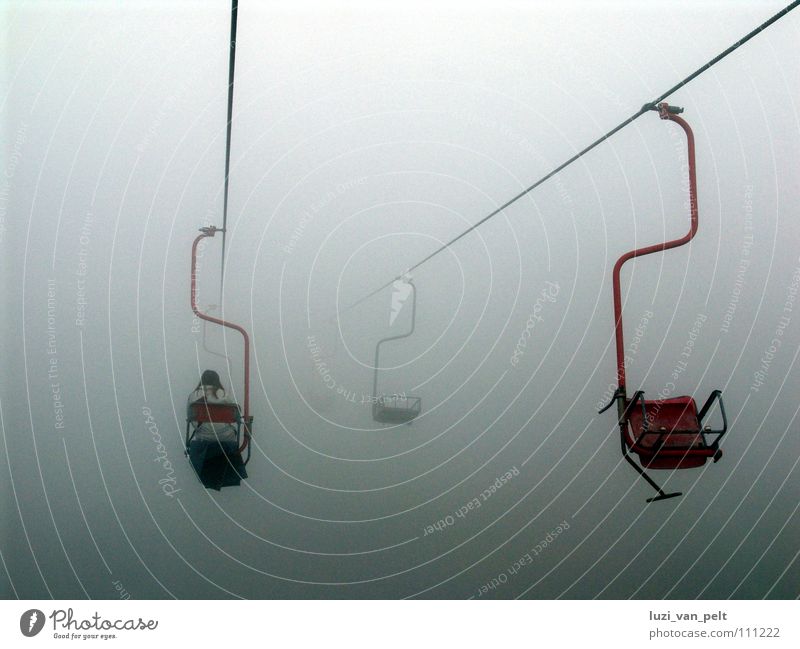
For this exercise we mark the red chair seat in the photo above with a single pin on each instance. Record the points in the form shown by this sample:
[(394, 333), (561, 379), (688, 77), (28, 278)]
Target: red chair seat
[(674, 439), (219, 413)]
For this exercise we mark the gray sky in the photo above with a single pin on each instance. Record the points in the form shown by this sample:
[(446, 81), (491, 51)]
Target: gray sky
[(363, 137)]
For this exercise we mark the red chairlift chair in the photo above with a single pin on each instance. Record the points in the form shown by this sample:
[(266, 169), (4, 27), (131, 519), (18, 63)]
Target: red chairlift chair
[(200, 412), (664, 433)]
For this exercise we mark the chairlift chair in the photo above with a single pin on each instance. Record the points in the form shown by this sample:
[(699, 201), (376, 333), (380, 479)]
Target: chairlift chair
[(395, 408), (202, 411), (664, 433), (217, 465)]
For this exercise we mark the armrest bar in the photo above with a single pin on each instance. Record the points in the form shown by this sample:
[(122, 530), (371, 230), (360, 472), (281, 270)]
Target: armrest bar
[(638, 396), (716, 394)]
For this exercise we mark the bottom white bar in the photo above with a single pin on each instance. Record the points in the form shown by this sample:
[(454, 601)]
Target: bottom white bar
[(379, 624)]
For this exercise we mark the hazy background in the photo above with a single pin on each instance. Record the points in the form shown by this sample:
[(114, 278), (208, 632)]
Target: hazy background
[(363, 137)]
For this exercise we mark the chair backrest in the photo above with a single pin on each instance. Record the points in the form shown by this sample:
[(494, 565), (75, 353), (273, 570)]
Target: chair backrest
[(223, 413)]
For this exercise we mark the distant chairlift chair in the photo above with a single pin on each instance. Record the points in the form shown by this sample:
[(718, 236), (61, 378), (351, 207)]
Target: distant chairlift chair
[(395, 409), (664, 433)]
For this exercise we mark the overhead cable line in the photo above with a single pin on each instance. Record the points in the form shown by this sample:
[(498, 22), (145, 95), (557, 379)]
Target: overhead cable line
[(647, 107), (231, 68)]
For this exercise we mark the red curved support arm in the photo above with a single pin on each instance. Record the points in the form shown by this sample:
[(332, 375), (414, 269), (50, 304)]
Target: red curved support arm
[(664, 113), (210, 232)]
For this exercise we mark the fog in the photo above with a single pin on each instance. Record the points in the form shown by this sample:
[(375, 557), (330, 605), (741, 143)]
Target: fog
[(364, 137)]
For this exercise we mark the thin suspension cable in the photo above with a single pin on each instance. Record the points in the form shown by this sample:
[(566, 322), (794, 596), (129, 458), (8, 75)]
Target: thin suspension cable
[(231, 68), (647, 107)]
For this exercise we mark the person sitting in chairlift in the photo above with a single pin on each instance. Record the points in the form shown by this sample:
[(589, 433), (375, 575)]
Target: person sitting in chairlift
[(213, 446), (209, 390)]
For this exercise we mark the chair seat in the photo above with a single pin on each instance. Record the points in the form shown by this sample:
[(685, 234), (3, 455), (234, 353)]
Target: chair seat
[(221, 413), (394, 415), (674, 439), (396, 410)]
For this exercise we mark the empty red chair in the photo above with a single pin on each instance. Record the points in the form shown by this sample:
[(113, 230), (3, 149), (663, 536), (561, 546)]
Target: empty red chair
[(664, 433)]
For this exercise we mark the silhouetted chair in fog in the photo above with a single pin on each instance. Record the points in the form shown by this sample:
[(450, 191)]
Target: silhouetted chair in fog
[(395, 408)]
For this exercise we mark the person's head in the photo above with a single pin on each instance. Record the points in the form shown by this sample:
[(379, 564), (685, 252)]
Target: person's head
[(209, 381)]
